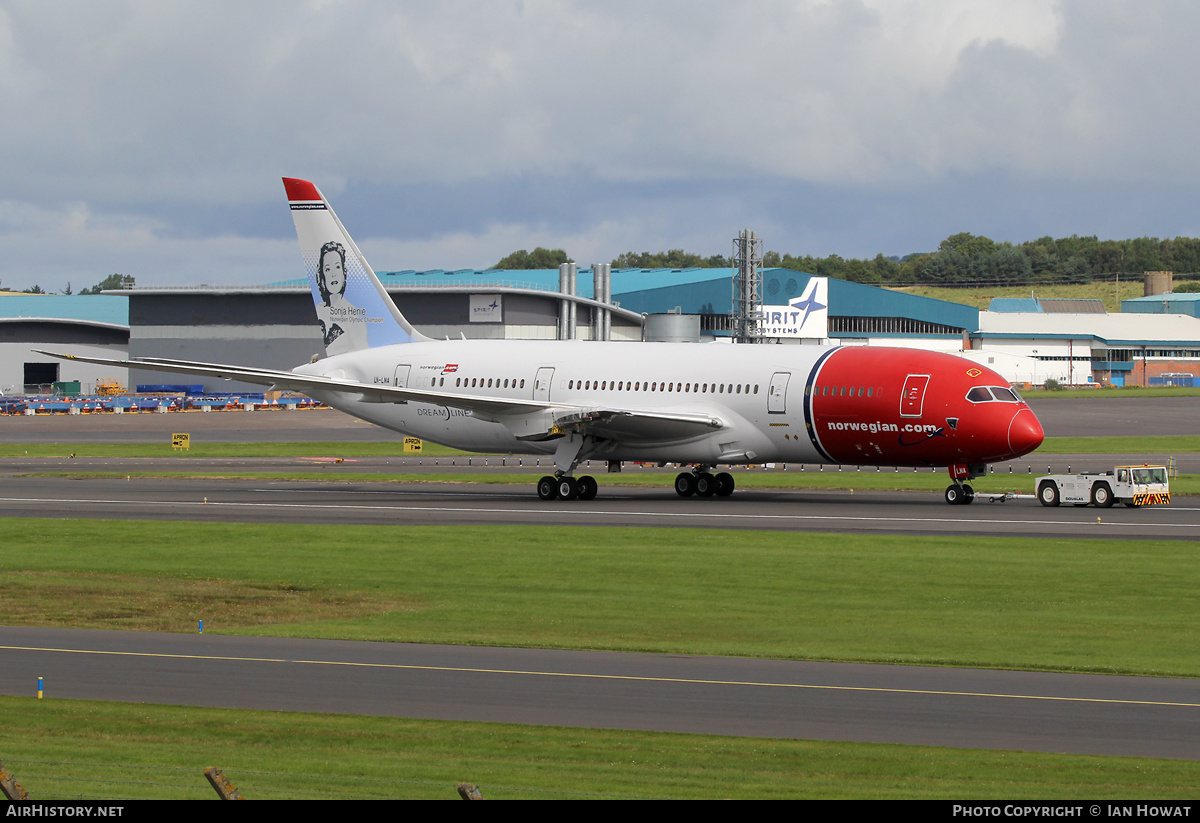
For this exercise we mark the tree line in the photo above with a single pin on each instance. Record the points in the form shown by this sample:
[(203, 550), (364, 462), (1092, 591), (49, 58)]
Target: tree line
[(961, 260), (113, 281)]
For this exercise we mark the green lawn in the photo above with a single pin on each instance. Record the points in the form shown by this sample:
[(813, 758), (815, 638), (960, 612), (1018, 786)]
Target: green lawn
[(65, 749), (1038, 393), (381, 448), (1149, 444), (981, 298), (1071, 605)]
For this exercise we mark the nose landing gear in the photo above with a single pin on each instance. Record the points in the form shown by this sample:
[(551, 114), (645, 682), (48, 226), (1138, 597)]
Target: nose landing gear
[(958, 493)]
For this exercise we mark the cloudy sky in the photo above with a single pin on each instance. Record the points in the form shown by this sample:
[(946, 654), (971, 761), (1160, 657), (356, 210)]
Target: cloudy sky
[(148, 138)]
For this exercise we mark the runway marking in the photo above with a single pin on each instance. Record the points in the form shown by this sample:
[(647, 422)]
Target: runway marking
[(690, 515), (621, 677)]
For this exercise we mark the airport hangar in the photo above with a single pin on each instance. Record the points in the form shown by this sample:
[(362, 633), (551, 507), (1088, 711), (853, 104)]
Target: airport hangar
[(90, 325), (1153, 340)]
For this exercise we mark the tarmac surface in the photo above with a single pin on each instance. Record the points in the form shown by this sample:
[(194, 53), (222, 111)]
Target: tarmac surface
[(417, 504), (1081, 714)]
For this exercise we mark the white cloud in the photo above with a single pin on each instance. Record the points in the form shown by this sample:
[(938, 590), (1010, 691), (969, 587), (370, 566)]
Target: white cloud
[(161, 116), (72, 245)]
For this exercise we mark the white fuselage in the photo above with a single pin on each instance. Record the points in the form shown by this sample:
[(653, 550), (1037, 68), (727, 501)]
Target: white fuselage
[(690, 402), (727, 382)]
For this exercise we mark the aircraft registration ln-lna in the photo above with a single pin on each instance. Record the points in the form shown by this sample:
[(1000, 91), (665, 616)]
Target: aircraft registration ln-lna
[(702, 405)]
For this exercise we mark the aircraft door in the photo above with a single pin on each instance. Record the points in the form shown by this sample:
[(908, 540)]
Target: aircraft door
[(541, 384), (912, 399), (401, 379), (777, 395)]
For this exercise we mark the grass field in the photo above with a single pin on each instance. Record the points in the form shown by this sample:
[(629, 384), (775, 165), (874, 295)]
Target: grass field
[(382, 448), (1069, 605), (1148, 444), (65, 749), (1037, 393), (980, 298)]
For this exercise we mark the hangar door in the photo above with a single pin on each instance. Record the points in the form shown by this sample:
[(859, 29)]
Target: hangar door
[(37, 374)]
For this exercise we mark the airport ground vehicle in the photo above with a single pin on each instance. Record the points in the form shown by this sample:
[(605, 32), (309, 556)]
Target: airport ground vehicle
[(1132, 485)]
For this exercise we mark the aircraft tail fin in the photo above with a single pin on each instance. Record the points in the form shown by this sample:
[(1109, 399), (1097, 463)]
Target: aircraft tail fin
[(353, 308)]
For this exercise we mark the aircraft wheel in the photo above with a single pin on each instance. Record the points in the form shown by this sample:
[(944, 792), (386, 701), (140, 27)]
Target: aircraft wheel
[(547, 488), (968, 495), (588, 487), (685, 484), (725, 484), (706, 484), (1048, 493), (954, 494), (1102, 496), (568, 488)]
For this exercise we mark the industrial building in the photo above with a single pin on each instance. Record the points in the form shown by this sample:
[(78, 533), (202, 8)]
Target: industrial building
[(1153, 340), (90, 325)]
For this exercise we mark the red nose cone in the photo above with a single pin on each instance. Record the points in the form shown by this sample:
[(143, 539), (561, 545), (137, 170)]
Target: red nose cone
[(1024, 433)]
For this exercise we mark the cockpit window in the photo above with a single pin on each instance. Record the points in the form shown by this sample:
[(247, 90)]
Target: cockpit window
[(987, 394)]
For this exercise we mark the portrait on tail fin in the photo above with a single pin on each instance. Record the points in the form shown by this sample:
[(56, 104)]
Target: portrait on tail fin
[(343, 325)]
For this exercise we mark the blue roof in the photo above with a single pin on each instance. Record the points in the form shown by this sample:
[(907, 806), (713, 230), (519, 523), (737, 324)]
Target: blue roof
[(624, 281), (91, 308), (697, 291), (1015, 304), (1169, 303), (859, 300)]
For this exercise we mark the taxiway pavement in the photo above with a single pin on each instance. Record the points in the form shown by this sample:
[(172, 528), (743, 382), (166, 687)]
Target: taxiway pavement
[(1032, 711), (841, 511)]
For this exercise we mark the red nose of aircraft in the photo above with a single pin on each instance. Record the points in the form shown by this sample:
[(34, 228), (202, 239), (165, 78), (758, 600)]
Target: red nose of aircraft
[(1024, 432)]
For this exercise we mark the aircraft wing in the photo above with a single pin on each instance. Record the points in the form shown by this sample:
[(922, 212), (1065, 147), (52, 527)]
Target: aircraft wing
[(531, 419)]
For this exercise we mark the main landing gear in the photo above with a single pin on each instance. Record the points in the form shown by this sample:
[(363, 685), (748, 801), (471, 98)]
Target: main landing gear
[(571, 450), (699, 483), (563, 487), (703, 484)]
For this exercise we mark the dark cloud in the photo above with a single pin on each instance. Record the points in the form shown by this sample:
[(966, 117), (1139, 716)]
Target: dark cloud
[(452, 133)]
